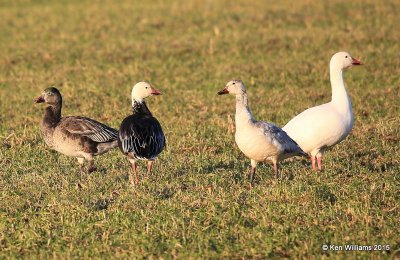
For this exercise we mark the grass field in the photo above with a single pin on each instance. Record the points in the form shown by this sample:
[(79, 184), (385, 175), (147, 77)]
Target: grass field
[(197, 202)]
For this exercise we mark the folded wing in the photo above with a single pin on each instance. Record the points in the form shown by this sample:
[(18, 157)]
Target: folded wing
[(281, 138), (90, 128), (141, 137)]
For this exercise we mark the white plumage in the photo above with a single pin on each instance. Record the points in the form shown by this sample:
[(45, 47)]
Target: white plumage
[(321, 127), (259, 141)]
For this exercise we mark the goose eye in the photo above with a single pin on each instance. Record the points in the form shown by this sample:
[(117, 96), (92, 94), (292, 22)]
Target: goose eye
[(234, 83), (147, 87), (346, 57)]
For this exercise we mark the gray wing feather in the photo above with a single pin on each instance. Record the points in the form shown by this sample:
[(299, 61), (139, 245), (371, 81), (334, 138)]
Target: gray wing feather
[(90, 128), (280, 138)]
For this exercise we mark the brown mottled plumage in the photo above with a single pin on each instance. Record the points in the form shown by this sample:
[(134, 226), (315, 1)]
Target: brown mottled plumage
[(75, 136)]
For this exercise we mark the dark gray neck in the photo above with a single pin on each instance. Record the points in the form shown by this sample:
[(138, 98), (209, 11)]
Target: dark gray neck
[(52, 115), (140, 108)]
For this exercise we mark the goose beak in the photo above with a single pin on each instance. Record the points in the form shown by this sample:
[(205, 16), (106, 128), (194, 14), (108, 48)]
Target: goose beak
[(223, 92), (355, 62), (155, 91), (39, 100)]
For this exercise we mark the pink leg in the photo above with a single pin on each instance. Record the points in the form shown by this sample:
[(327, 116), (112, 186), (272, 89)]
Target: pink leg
[(319, 161), (313, 163), (252, 172), (134, 170), (149, 166), (276, 169)]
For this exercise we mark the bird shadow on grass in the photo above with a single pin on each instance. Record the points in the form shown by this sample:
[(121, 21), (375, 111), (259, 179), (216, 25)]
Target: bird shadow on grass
[(123, 177), (99, 170), (82, 176), (380, 167), (205, 169), (372, 160), (304, 162), (101, 204), (264, 173)]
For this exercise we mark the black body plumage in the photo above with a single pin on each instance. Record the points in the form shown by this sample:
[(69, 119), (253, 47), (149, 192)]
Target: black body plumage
[(140, 135)]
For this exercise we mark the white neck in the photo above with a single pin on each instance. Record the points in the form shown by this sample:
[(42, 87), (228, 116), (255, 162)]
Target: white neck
[(339, 95), (243, 115), (136, 100)]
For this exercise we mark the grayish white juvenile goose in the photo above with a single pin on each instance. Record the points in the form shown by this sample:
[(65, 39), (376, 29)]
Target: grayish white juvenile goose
[(75, 136), (140, 135), (259, 141), (318, 128)]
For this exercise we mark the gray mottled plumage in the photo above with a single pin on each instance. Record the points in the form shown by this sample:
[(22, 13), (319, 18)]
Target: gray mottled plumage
[(83, 126), (286, 144), (75, 136)]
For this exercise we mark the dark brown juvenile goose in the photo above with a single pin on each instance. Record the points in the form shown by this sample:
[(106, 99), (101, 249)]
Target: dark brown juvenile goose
[(140, 135), (75, 136)]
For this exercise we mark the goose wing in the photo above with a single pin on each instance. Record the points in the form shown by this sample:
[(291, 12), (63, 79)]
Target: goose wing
[(90, 128), (280, 138)]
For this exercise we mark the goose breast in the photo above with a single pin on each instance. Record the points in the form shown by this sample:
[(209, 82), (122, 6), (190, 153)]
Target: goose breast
[(255, 144)]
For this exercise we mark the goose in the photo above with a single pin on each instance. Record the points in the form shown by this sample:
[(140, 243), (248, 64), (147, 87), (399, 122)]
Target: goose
[(140, 135), (259, 141), (319, 128), (75, 136)]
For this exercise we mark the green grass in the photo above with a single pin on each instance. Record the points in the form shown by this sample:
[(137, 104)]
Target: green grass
[(197, 202)]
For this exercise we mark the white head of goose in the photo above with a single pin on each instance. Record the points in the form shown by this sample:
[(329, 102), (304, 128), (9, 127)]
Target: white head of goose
[(259, 141), (74, 136), (140, 135)]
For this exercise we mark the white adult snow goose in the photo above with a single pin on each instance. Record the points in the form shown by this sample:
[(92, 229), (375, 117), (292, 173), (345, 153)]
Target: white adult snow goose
[(318, 128), (75, 136), (259, 141), (140, 135)]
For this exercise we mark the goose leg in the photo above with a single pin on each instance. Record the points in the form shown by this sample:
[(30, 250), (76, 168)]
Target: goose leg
[(149, 166), (81, 162), (319, 162), (252, 171), (91, 167), (276, 170), (88, 157), (313, 162), (134, 171)]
